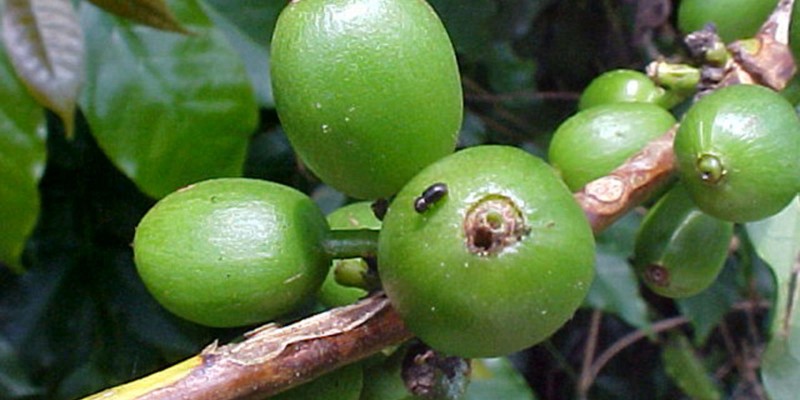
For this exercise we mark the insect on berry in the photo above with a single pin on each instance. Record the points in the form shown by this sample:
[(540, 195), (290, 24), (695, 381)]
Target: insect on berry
[(430, 196), (498, 258)]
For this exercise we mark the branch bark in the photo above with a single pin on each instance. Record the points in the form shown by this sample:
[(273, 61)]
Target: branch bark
[(272, 359), (606, 199)]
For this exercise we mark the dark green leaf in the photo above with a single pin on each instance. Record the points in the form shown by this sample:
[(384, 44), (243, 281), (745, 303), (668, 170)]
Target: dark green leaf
[(473, 130), (254, 55), (255, 18), (22, 158), (615, 289), (249, 26), (14, 381), (687, 370), (515, 18), (45, 43), (468, 24), (496, 378), (508, 72), (168, 109), (154, 13), (327, 198), (706, 309), (80, 318)]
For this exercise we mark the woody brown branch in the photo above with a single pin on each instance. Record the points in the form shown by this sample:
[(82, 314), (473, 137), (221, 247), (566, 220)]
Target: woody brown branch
[(606, 199), (272, 360)]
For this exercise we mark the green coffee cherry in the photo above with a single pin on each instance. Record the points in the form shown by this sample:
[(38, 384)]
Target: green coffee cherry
[(734, 19), (368, 91), (495, 265), (231, 252), (621, 86), (738, 153), (593, 142), (333, 293), (679, 249)]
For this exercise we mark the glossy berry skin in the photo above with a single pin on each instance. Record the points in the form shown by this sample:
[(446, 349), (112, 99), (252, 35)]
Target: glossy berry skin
[(620, 86), (231, 252), (496, 265), (734, 19), (679, 249), (595, 141), (368, 91), (737, 153), (352, 216)]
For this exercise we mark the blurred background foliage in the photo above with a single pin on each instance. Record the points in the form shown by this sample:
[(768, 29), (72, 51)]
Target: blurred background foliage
[(79, 320)]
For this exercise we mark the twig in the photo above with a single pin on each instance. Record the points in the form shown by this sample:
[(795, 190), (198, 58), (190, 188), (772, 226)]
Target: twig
[(585, 381), (272, 360), (501, 111), (769, 60), (631, 338), (606, 199)]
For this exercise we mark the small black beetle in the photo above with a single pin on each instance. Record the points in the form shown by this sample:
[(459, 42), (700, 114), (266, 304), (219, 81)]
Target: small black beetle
[(430, 196)]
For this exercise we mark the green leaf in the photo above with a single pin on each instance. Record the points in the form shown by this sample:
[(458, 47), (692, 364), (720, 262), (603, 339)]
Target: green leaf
[(615, 289), (777, 242), (780, 371), (81, 314), (45, 43), (496, 378), (508, 72), (22, 159), (254, 18), (327, 198), (473, 130), (14, 381), (468, 24), (706, 309), (687, 370), (249, 26), (168, 109), (254, 55), (153, 13)]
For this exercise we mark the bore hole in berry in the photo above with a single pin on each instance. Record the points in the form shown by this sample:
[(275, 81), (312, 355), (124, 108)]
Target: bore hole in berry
[(493, 224), (483, 238)]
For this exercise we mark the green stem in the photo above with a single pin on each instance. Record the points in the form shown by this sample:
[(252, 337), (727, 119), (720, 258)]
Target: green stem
[(351, 243), (678, 80)]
